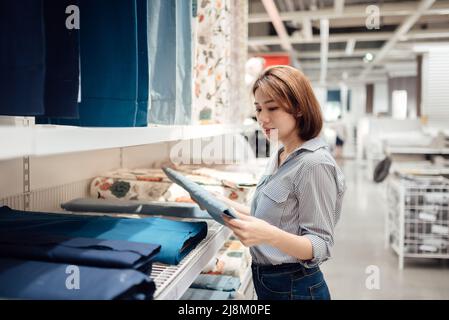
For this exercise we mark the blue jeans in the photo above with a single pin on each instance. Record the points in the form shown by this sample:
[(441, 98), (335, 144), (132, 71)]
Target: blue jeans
[(289, 281)]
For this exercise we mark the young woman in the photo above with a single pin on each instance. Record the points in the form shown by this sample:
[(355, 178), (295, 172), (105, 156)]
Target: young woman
[(290, 225)]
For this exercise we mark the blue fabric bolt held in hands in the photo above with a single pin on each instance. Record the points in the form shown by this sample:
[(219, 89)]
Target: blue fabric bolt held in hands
[(201, 196)]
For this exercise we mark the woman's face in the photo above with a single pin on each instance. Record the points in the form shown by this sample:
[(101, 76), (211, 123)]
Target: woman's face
[(272, 116)]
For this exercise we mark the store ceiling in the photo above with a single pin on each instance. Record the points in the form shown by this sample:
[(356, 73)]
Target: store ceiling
[(402, 25)]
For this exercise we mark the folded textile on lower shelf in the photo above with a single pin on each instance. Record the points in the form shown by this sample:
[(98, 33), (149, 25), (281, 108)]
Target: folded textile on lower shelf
[(80, 251), (232, 260), (22, 279), (204, 294), (216, 282), (177, 238)]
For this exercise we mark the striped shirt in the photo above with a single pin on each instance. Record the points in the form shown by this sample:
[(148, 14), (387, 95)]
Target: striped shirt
[(302, 196)]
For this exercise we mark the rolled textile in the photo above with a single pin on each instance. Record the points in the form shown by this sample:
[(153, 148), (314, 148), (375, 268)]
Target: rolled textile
[(170, 209), (215, 207)]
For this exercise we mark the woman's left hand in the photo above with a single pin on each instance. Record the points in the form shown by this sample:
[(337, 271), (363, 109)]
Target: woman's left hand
[(250, 230)]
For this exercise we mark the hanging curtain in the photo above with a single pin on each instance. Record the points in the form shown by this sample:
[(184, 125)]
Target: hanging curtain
[(114, 65), (22, 58), (239, 95), (61, 61), (169, 49), (212, 62), (39, 59), (143, 76), (108, 63)]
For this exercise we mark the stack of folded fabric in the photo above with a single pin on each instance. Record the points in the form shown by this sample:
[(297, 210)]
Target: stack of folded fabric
[(41, 280), (233, 260), (117, 251), (221, 278), (212, 287)]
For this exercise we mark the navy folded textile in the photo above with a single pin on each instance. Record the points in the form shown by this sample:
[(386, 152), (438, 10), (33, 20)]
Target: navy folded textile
[(22, 279), (203, 197), (80, 251), (177, 238), (169, 209)]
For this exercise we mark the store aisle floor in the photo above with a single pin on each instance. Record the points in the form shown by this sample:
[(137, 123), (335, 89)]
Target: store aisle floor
[(359, 244)]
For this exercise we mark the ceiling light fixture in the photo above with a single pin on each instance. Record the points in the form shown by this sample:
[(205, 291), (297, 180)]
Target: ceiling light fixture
[(368, 57)]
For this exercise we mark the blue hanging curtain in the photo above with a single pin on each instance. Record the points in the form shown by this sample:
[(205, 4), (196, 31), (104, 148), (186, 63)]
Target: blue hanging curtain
[(114, 64), (22, 58), (143, 67), (184, 62), (108, 63), (39, 59), (170, 56), (61, 61)]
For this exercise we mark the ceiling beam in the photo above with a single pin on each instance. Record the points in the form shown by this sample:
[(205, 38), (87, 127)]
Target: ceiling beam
[(350, 45), (398, 35), (355, 11), (324, 48), (358, 53), (339, 6), (332, 64), (273, 13), (386, 21), (357, 36)]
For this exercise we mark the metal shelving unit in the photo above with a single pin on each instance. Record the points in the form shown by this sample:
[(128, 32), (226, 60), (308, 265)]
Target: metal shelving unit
[(173, 281), (28, 140), (417, 221)]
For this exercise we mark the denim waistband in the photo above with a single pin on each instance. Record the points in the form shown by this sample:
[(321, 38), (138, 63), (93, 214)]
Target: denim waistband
[(284, 267)]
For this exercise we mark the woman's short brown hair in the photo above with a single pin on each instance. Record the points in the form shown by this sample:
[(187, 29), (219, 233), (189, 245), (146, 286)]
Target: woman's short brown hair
[(290, 88)]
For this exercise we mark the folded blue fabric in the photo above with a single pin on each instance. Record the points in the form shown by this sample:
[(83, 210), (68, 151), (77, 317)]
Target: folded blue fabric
[(204, 294), (177, 238), (203, 197), (169, 209), (80, 251), (216, 282), (22, 279)]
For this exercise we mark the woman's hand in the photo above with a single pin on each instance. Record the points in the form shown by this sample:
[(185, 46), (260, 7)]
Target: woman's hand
[(250, 230)]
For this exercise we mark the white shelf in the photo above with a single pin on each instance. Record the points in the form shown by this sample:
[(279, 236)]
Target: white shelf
[(43, 140), (173, 281)]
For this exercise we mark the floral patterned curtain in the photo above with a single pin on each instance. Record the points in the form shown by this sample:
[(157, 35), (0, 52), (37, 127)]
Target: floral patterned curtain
[(220, 54)]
